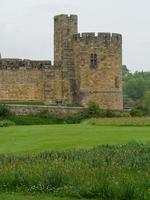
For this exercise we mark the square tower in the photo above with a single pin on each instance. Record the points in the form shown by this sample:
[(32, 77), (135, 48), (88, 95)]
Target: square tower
[(64, 27)]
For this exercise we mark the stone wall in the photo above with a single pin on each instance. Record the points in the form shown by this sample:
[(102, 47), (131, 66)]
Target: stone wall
[(39, 81), (23, 80), (54, 110)]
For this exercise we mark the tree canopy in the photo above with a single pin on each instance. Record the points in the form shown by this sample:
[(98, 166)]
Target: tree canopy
[(136, 88)]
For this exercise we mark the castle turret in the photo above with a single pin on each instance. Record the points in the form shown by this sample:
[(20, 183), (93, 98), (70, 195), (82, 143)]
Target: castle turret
[(64, 27)]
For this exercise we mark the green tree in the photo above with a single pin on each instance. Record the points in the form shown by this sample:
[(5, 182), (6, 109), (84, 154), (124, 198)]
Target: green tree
[(125, 71), (135, 88), (147, 101), (136, 85)]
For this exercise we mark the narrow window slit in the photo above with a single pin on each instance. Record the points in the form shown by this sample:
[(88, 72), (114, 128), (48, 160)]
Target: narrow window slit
[(93, 60)]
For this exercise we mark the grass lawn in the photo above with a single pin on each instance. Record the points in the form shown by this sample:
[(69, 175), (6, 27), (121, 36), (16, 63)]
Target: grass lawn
[(15, 196), (39, 138), (30, 139)]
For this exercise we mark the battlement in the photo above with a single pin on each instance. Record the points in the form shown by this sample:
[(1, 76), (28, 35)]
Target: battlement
[(65, 17), (99, 37), (10, 63)]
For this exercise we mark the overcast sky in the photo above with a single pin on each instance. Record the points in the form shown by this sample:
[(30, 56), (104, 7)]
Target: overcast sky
[(26, 26)]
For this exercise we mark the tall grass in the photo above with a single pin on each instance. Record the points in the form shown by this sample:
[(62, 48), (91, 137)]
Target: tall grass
[(122, 121), (106, 172)]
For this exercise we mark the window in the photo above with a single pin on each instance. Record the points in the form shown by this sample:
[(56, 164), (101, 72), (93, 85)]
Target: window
[(116, 82), (59, 102), (93, 60)]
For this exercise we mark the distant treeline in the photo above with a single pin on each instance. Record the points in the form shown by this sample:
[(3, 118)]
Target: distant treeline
[(136, 89)]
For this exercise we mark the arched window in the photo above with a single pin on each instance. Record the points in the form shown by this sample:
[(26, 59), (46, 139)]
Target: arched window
[(93, 60)]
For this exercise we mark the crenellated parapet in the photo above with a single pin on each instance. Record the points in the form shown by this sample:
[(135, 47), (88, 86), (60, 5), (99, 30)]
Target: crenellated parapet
[(109, 38), (11, 64), (64, 17)]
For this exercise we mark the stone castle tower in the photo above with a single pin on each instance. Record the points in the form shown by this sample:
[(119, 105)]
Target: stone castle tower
[(87, 67)]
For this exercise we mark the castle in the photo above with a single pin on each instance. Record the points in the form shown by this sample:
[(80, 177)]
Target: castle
[(87, 67)]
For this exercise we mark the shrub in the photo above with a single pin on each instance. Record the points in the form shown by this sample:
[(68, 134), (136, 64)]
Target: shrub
[(74, 118), (6, 123), (93, 110), (109, 113), (34, 120), (4, 110), (125, 114), (135, 112)]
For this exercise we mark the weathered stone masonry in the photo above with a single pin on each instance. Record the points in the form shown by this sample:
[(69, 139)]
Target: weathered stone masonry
[(87, 67)]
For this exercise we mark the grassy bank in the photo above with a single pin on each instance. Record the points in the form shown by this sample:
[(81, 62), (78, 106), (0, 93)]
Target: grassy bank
[(119, 121), (86, 115), (29, 139), (105, 172), (115, 121)]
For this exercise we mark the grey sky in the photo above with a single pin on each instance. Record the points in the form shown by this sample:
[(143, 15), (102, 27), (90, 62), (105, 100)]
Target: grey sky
[(26, 26)]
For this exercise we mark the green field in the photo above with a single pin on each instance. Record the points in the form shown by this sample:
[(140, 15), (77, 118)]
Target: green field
[(30, 139), (20, 140)]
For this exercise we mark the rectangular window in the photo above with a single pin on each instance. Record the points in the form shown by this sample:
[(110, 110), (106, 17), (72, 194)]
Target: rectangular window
[(116, 82), (93, 60)]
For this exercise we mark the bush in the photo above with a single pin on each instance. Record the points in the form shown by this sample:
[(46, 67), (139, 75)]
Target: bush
[(75, 118), (109, 113), (93, 110), (6, 123), (4, 110), (125, 114), (136, 113), (34, 120)]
